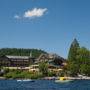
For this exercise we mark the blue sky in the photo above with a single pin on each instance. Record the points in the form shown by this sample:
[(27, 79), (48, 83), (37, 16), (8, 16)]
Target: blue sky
[(50, 25)]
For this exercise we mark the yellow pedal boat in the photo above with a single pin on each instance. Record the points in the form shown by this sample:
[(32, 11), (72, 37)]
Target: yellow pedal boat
[(63, 80)]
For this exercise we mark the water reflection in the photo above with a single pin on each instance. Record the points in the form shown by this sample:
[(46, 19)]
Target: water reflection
[(44, 85)]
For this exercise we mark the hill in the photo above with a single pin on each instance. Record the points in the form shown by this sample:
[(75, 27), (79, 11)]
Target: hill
[(21, 52)]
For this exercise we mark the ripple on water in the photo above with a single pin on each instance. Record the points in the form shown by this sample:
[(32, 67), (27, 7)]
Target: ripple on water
[(44, 85)]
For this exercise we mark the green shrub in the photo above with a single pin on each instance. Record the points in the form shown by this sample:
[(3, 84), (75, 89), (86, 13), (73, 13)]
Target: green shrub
[(6, 70), (43, 68), (15, 76), (61, 74), (8, 75), (50, 74), (18, 71), (22, 74), (36, 76)]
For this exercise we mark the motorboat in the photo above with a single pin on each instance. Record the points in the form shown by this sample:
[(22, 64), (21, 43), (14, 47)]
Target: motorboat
[(25, 80), (63, 80)]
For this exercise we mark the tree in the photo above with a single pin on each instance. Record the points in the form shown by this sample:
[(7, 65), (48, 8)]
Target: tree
[(73, 68), (21, 52), (65, 72), (72, 54), (75, 44), (0, 64), (43, 68), (85, 69), (58, 61), (73, 57), (84, 58)]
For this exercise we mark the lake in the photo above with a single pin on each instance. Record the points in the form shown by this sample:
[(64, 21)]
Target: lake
[(44, 85)]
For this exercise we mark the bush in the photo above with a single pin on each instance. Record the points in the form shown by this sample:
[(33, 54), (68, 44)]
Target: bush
[(15, 76), (61, 74), (36, 76), (50, 74), (6, 70), (22, 74), (8, 75), (18, 71), (43, 68)]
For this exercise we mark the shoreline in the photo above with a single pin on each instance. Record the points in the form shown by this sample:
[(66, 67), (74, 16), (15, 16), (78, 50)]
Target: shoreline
[(72, 78), (53, 78), (2, 78)]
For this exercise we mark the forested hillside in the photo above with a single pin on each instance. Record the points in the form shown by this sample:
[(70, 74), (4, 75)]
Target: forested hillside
[(21, 52)]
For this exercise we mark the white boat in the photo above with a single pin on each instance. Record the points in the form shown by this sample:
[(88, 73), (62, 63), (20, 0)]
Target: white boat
[(25, 80)]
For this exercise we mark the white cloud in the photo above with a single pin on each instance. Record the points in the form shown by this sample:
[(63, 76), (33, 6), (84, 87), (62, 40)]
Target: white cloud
[(16, 17), (35, 13)]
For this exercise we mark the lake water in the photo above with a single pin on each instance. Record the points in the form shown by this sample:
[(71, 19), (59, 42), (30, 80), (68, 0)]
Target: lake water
[(44, 85)]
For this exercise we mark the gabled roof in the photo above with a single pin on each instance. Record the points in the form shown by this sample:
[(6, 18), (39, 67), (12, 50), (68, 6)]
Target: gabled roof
[(50, 57), (17, 57), (53, 55), (43, 54)]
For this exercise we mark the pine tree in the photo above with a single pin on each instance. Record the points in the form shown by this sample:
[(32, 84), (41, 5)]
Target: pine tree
[(75, 44), (73, 52), (73, 57)]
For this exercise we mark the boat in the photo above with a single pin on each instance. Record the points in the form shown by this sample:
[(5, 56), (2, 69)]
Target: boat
[(25, 80), (63, 80)]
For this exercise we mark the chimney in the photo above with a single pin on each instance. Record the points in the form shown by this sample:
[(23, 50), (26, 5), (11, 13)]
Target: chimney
[(30, 54)]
